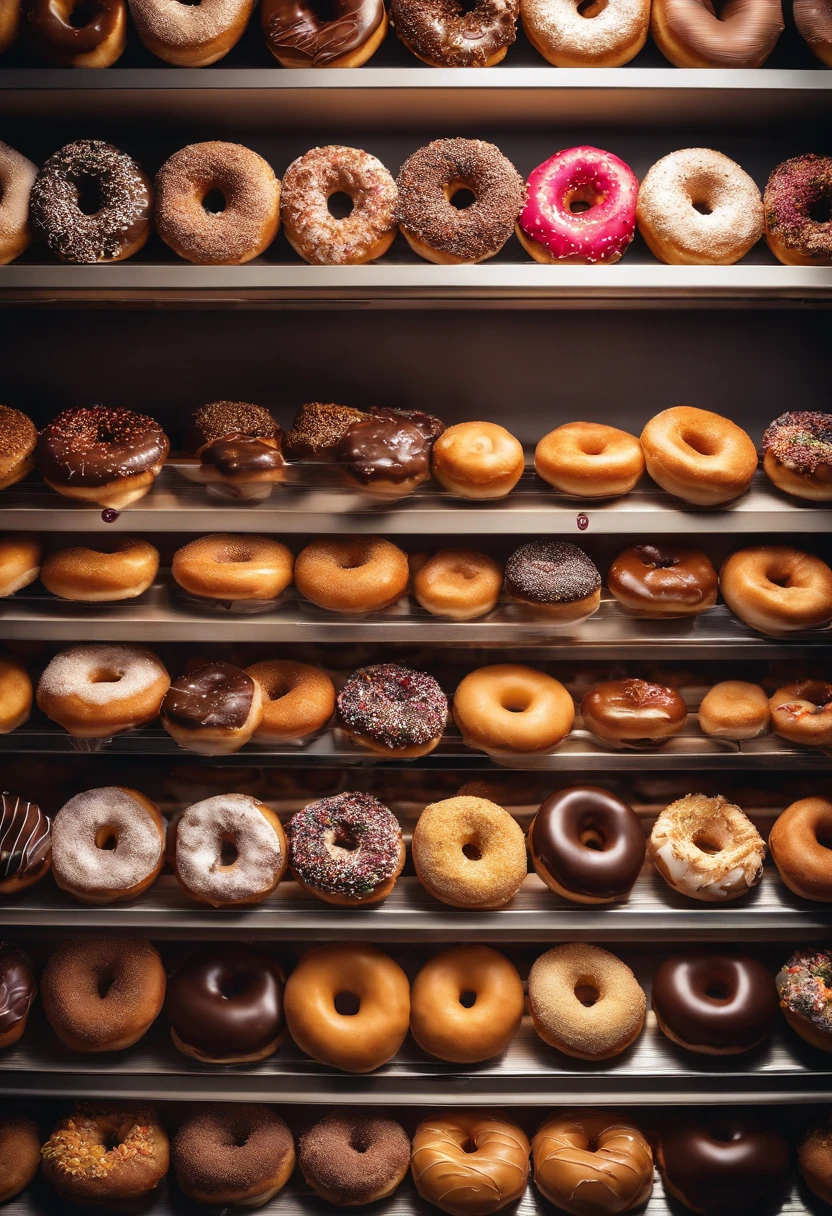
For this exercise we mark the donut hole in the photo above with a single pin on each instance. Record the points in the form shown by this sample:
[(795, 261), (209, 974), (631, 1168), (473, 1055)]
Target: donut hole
[(707, 844), (717, 990), (104, 981), (233, 984), (702, 207), (105, 675), (582, 198), (343, 837), (82, 14), (88, 191), (340, 205), (460, 196), (820, 211), (592, 837), (592, 447), (105, 838), (214, 202), (587, 993), (468, 1146), (724, 1135), (591, 8), (347, 1004), (358, 1142), (467, 999), (228, 851), (472, 851), (823, 835), (703, 445), (517, 702)]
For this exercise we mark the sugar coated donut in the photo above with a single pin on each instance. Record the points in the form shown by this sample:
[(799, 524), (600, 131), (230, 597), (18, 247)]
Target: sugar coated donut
[(777, 589), (585, 1002), (346, 850), (563, 35), (588, 459), (393, 710), (458, 584), (478, 460), (384, 456), (799, 845), (20, 561), (692, 35), (509, 708), (229, 850), (19, 1154), (429, 179), (707, 848), (108, 845), (554, 579), (796, 189), (735, 709), (814, 1156), (213, 710), (249, 219), (466, 1004), (17, 176), (633, 712), (18, 438), (298, 700), (229, 568), (25, 843), (106, 1156), (553, 227), (101, 689), (470, 1162), (356, 574), (588, 1162), (102, 993), (190, 36), (722, 1161), (469, 852), (300, 35), (348, 1006), (698, 456), (813, 19), (662, 581), (233, 1154), (802, 713), (17, 993), (120, 571), (442, 34), (797, 457), (352, 1159), (715, 1003), (15, 695), (803, 985), (318, 428)]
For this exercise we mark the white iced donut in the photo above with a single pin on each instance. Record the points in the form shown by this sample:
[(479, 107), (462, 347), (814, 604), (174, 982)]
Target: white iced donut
[(108, 845), (229, 849), (707, 848)]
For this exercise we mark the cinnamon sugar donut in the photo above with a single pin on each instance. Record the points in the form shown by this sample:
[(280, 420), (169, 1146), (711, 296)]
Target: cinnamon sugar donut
[(357, 574), (235, 1154), (17, 176), (597, 35), (298, 700), (353, 1159), (802, 713), (108, 845), (190, 35), (19, 1154), (469, 852), (447, 34)]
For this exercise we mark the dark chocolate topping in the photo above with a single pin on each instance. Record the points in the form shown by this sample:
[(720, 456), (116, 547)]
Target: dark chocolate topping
[(356, 1156), (591, 842), (293, 26), (217, 695), (319, 428), (90, 447), (233, 1147), (57, 37), (237, 455), (430, 426), (551, 572), (384, 449), (715, 1000), (227, 1000), (25, 838), (393, 705), (222, 419), (724, 1164), (453, 34), (17, 986), (347, 845)]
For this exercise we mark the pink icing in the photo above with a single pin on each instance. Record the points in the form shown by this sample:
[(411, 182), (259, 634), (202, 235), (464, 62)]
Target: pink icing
[(599, 234)]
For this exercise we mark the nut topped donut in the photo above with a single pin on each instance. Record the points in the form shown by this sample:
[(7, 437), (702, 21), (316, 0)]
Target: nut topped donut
[(446, 34), (18, 439), (795, 189), (300, 35), (562, 34), (797, 449), (72, 35), (108, 845), (693, 34), (106, 1155), (346, 850), (228, 850), (190, 35), (393, 710), (352, 1159), (17, 176), (470, 1162), (233, 1154), (591, 1163), (707, 848)]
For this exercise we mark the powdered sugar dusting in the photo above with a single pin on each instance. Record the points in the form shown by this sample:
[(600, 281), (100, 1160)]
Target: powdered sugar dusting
[(128, 671), (78, 860), (560, 25), (200, 834)]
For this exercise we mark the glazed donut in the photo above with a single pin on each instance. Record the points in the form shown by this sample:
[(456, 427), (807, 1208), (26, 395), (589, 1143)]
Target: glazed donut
[(392, 710), (698, 456), (108, 845), (815, 1160), (458, 584), (121, 571), (17, 176), (348, 1006), (799, 845), (228, 851), (812, 18), (478, 460), (692, 34), (350, 1159), (346, 850), (69, 35), (725, 1162), (805, 996), (385, 457), (554, 578), (313, 232), (19, 561), (585, 1002), (108, 457), (101, 689), (213, 710), (229, 568), (469, 853), (299, 37), (10, 16), (706, 848), (19, 1154), (795, 189), (121, 224), (239, 447), (250, 216), (356, 574), (797, 457), (591, 1163), (553, 231), (563, 36), (190, 36), (106, 1156), (509, 708), (17, 993), (659, 581), (588, 459), (735, 709), (237, 1154), (298, 700), (587, 845), (15, 695), (802, 713), (25, 844), (697, 207), (318, 428), (715, 1004), (18, 439), (777, 589), (466, 1004), (470, 1162), (446, 35), (102, 993), (633, 713)]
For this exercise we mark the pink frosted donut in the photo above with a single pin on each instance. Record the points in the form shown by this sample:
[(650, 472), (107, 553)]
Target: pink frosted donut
[(551, 230)]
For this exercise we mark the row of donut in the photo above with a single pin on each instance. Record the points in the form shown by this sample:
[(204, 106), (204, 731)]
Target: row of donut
[(695, 206), (98, 689)]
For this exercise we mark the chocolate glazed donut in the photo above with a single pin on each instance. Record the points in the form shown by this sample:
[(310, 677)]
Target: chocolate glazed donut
[(813, 19), (693, 34), (716, 1004), (723, 1165), (57, 39), (587, 845), (299, 38)]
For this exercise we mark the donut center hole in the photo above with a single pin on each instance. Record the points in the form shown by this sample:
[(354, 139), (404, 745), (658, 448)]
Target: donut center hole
[(460, 196), (587, 994), (105, 838), (233, 557), (703, 208), (717, 991), (88, 189), (214, 202), (80, 15), (516, 703), (701, 444), (591, 8), (582, 198), (468, 1147), (326, 10), (340, 205), (824, 836), (344, 838), (238, 1139), (723, 1135), (820, 211), (232, 986), (357, 1143), (347, 1004), (228, 851), (104, 983), (467, 999), (592, 838), (105, 675), (706, 844), (472, 852)]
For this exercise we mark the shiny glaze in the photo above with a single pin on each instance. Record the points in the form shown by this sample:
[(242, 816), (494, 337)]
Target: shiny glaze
[(715, 1000), (25, 839), (665, 576), (227, 1000), (237, 455), (290, 25), (567, 819), (17, 986), (430, 426), (386, 449), (91, 447), (217, 695), (724, 1165), (51, 29)]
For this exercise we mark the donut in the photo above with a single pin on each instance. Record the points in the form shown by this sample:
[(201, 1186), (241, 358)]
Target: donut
[(795, 191), (102, 993), (698, 456), (580, 208), (797, 458), (444, 34), (587, 845), (15, 695), (431, 177), (735, 709), (313, 231), (120, 571), (466, 1004), (354, 574), (664, 582), (777, 589), (17, 176), (588, 459), (585, 1002), (239, 446), (10, 16), (469, 853), (428, 424), (108, 845), (228, 851), (814, 1156), (722, 1161), (17, 993), (351, 1159), (191, 36), (478, 460), (250, 215), (106, 1156), (213, 710), (298, 700), (233, 1154), (20, 561), (348, 1006), (470, 1162), (693, 35), (589, 1162), (392, 710), (803, 985), (508, 708), (110, 457), (318, 428), (19, 1154), (64, 34), (101, 689), (300, 35), (799, 846), (562, 35), (458, 585), (812, 18), (706, 848), (121, 224), (18, 439), (717, 1004), (384, 457), (555, 579), (229, 568), (346, 850), (802, 713), (633, 713), (25, 843)]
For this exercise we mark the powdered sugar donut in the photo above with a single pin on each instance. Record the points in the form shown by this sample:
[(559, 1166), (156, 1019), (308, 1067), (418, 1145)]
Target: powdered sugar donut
[(17, 176), (229, 850), (559, 29), (108, 845), (190, 35), (99, 690)]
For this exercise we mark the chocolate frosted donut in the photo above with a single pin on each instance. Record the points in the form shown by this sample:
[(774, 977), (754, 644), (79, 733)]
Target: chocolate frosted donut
[(554, 576), (429, 425), (237, 438), (387, 456), (587, 844), (100, 454), (446, 34), (794, 189), (217, 694), (347, 849), (714, 1003), (238, 1153), (813, 19), (25, 843), (352, 1160), (695, 34), (18, 437), (319, 428), (68, 34), (300, 37), (723, 1162), (17, 992), (393, 710)]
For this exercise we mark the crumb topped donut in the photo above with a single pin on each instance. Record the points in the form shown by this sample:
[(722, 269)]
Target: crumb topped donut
[(318, 428), (795, 189), (18, 439), (17, 176), (229, 850), (352, 1159), (469, 852), (234, 1154), (393, 710), (190, 36), (470, 1162), (797, 449), (554, 578), (446, 34), (301, 35), (108, 845), (347, 849), (707, 848), (562, 34), (106, 1155)]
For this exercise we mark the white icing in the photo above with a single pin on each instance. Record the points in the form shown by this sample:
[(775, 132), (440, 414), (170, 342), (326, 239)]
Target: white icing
[(200, 834), (79, 862)]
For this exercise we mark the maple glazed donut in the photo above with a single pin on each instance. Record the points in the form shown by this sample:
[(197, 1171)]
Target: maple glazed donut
[(714, 1003), (735, 709), (589, 1162), (469, 852), (190, 36), (706, 848), (562, 34), (120, 571), (346, 850), (478, 460), (108, 845), (795, 189), (298, 700), (777, 589), (17, 993), (234, 1154), (101, 689), (698, 456), (356, 574), (228, 851), (226, 567), (722, 1161), (17, 176), (444, 34), (466, 1004), (458, 585), (509, 708), (691, 34), (797, 458), (300, 37), (555, 579), (589, 460), (106, 1156), (70, 35), (15, 695), (392, 710), (633, 713), (470, 1162), (18, 439), (25, 843), (660, 581), (20, 561), (813, 19), (351, 1159), (799, 843), (19, 1153), (802, 713)]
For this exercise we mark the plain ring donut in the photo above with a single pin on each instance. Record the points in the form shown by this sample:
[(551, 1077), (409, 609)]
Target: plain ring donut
[(227, 567), (777, 589), (509, 708), (17, 177), (299, 37), (698, 456), (589, 460), (560, 31), (799, 844), (190, 35), (298, 700), (357, 574), (120, 571), (444, 34), (466, 1004), (590, 1162), (692, 34), (469, 852)]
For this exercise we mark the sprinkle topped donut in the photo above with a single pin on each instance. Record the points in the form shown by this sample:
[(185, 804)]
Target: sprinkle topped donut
[(92, 447), (804, 985), (551, 572), (348, 846), (795, 188), (797, 450), (392, 708), (449, 34)]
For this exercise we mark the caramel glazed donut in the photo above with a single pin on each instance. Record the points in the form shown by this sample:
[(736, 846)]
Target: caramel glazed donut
[(707, 848), (106, 1155), (470, 1163), (190, 36), (693, 34), (444, 34), (591, 1162), (298, 37)]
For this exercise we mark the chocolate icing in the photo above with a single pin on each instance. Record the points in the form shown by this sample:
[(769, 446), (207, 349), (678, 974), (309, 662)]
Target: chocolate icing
[(290, 25), (668, 576), (591, 842), (58, 40), (430, 426), (237, 455), (217, 695), (384, 449), (227, 1000), (17, 986), (737, 34), (90, 447), (223, 419), (725, 1164), (25, 839), (715, 1000)]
